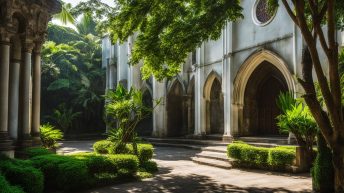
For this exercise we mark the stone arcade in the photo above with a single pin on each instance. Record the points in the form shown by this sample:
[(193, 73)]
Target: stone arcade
[(226, 87), (23, 25)]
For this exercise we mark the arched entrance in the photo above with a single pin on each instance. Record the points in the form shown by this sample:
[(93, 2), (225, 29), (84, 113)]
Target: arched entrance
[(174, 110), (145, 127), (262, 90), (216, 108), (258, 82), (214, 105)]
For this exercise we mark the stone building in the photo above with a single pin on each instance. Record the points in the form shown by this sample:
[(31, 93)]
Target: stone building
[(23, 25), (226, 87)]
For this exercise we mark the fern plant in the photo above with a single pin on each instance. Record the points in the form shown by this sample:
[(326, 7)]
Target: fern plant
[(50, 136), (285, 101)]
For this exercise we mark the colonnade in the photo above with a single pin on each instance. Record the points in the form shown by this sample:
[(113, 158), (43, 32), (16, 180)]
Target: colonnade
[(23, 26)]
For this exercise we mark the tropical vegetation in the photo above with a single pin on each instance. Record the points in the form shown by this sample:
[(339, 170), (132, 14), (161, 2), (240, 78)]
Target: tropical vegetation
[(73, 81)]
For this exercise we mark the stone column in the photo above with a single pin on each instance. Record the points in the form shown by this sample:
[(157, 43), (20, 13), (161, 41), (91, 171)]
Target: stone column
[(24, 96), (13, 103), (5, 142), (36, 93)]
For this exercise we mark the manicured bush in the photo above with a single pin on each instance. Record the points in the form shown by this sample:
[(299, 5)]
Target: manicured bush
[(149, 166), (36, 151), (127, 165), (145, 151), (7, 188), (281, 157), (103, 146), (62, 172), (245, 155), (21, 173), (96, 164)]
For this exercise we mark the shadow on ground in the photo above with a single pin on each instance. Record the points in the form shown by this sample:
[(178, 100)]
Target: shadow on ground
[(185, 184)]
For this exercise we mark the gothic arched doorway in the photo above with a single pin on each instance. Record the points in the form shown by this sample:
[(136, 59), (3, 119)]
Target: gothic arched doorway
[(215, 114), (145, 127), (174, 110), (261, 93)]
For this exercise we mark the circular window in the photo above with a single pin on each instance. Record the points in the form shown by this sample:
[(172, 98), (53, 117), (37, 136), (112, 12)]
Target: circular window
[(261, 14)]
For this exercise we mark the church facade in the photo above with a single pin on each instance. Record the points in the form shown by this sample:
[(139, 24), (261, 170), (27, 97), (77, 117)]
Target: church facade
[(226, 87)]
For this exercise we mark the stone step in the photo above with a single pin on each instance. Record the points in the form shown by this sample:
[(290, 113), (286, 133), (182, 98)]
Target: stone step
[(185, 141), (212, 162), (212, 155), (220, 149)]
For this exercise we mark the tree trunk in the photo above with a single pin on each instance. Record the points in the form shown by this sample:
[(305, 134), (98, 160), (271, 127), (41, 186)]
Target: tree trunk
[(338, 164)]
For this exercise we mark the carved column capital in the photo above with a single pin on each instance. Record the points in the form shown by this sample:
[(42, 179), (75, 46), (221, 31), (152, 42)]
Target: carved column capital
[(5, 37), (27, 45)]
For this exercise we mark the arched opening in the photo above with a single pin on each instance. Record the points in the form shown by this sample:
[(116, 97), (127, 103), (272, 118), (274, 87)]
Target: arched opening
[(174, 110), (215, 114), (261, 92), (191, 107), (145, 127)]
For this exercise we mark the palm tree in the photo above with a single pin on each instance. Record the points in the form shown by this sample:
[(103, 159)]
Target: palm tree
[(65, 15)]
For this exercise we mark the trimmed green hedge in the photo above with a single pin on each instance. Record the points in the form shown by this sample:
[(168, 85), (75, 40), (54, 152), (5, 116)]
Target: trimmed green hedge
[(103, 146), (107, 147), (23, 174), (62, 172), (120, 163), (6, 187), (36, 151), (145, 151), (277, 158)]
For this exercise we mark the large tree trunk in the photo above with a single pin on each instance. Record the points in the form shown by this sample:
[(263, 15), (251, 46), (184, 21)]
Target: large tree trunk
[(338, 164)]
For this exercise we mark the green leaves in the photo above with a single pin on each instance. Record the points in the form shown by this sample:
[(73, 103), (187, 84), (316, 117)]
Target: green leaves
[(169, 30), (285, 101), (59, 84), (50, 136)]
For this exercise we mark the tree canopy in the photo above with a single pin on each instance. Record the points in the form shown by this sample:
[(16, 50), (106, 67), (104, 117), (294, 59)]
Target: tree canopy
[(167, 31)]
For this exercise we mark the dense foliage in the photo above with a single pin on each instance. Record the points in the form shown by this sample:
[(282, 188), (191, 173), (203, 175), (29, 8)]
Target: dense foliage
[(167, 31), (50, 136), (73, 80)]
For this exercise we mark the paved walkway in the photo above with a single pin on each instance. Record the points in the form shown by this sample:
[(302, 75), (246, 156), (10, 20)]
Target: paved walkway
[(178, 174)]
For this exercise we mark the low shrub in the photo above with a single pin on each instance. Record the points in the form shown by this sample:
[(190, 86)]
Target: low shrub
[(96, 164), (145, 151), (62, 172), (281, 157), (245, 155), (36, 151), (23, 174), (103, 146), (149, 166), (7, 188), (127, 165)]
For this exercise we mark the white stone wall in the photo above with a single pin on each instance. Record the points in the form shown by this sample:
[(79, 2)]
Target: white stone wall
[(225, 58)]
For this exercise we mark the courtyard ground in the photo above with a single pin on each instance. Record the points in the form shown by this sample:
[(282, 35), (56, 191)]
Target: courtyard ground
[(178, 174)]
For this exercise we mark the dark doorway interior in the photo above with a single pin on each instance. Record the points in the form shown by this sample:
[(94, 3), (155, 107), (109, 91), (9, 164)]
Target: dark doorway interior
[(216, 108), (145, 127), (191, 109), (175, 111), (260, 109)]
